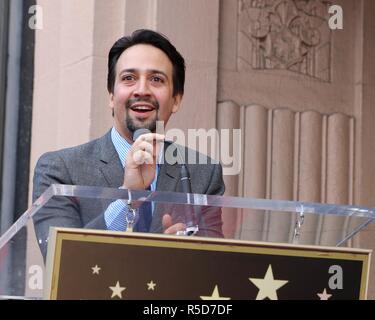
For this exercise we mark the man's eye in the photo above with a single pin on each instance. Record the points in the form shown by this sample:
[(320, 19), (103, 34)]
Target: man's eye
[(128, 78), (157, 79)]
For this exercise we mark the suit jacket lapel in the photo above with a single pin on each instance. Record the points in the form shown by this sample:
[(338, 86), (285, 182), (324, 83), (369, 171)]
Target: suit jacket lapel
[(110, 164), (167, 181), (168, 178), (168, 175)]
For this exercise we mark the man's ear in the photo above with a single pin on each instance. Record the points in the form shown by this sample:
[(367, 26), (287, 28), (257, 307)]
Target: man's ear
[(111, 103), (177, 102)]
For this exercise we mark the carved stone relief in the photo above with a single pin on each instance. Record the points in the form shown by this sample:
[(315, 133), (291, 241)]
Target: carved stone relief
[(285, 34)]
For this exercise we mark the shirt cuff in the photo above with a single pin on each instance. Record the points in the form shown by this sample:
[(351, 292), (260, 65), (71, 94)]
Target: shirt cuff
[(115, 214)]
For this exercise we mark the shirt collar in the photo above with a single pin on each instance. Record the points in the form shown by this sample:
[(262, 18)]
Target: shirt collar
[(121, 145)]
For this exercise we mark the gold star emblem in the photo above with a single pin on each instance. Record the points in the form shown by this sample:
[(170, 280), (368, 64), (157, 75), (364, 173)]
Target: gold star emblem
[(151, 285), (268, 285), (95, 270), (215, 295), (324, 295), (117, 290)]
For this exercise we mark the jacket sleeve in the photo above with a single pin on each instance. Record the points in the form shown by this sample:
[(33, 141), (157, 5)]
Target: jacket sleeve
[(58, 211), (216, 185), (210, 217)]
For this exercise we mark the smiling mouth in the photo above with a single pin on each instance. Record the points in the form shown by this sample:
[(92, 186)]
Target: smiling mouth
[(142, 108)]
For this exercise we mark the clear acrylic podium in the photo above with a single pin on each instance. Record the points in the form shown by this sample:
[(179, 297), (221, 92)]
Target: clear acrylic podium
[(221, 221)]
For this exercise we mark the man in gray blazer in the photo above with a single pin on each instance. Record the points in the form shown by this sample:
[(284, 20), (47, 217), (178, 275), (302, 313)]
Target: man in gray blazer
[(146, 76)]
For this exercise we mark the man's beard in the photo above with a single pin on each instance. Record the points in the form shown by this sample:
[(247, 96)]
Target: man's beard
[(149, 124)]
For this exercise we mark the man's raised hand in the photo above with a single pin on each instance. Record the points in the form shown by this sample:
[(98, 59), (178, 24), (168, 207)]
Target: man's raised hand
[(141, 161)]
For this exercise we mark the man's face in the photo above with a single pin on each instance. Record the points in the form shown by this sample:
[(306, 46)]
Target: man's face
[(143, 90)]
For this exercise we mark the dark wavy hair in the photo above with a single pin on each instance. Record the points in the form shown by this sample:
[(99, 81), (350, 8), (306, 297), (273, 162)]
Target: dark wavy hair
[(153, 38)]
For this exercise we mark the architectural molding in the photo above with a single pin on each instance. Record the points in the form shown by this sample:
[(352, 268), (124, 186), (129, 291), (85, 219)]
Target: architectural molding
[(285, 34)]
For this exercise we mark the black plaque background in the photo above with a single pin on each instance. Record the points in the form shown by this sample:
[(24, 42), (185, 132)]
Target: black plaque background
[(189, 274)]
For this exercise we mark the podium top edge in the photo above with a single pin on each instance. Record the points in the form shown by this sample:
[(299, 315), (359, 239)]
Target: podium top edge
[(204, 240)]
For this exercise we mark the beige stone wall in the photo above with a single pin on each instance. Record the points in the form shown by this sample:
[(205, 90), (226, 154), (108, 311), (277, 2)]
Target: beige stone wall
[(308, 126), (70, 100)]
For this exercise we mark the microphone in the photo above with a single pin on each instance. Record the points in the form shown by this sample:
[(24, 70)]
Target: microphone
[(137, 133)]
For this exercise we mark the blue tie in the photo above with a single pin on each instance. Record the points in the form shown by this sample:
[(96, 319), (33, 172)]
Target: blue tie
[(145, 216)]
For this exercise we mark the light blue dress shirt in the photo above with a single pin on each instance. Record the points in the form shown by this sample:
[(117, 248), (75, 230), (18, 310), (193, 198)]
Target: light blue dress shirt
[(115, 214)]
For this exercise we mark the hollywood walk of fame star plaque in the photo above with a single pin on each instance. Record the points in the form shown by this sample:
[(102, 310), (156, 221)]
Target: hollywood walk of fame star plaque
[(92, 264)]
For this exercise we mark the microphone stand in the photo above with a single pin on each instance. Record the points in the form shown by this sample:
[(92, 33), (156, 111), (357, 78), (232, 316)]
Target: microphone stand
[(191, 228)]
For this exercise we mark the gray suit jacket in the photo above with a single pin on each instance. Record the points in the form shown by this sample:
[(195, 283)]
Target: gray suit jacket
[(96, 163)]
